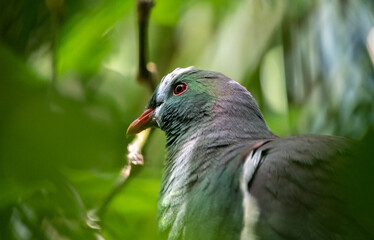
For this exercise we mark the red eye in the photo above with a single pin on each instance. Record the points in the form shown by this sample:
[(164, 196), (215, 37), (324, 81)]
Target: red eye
[(180, 88)]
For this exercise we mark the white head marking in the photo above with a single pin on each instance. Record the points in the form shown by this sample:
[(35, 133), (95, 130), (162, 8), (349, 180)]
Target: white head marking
[(166, 81), (175, 73), (165, 84)]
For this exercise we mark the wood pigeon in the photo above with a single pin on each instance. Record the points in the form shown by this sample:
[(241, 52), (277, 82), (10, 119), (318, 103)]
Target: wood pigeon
[(227, 176)]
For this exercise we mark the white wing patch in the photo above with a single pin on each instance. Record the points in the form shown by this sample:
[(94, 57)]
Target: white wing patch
[(250, 208)]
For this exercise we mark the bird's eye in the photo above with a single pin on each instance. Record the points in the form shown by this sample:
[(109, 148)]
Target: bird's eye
[(180, 88)]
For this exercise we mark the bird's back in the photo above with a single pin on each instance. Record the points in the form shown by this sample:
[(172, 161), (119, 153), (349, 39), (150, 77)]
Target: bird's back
[(304, 188)]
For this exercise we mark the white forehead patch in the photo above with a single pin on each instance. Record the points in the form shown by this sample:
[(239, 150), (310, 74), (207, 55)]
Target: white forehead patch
[(162, 90), (168, 79), (175, 73)]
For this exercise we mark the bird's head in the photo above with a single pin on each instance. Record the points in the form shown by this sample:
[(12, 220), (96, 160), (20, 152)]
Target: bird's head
[(188, 98)]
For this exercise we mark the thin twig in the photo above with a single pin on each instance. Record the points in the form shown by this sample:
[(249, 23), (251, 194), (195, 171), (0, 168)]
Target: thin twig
[(146, 75), (56, 9), (134, 165)]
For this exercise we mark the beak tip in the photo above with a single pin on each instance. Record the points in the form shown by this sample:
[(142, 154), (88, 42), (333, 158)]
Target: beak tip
[(143, 122), (129, 133), (131, 129)]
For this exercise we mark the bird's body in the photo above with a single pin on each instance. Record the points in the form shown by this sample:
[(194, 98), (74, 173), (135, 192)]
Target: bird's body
[(227, 176)]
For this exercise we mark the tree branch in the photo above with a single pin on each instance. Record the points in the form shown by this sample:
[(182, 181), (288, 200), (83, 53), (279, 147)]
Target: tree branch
[(146, 75)]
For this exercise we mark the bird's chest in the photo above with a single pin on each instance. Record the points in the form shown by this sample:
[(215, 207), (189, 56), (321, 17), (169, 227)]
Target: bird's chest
[(208, 206)]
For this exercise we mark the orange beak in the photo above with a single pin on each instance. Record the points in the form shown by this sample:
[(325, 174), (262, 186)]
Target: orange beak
[(143, 122)]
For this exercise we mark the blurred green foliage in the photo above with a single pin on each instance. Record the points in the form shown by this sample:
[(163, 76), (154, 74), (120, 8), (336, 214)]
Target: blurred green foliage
[(68, 93)]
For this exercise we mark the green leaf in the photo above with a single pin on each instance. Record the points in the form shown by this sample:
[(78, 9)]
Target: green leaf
[(85, 39)]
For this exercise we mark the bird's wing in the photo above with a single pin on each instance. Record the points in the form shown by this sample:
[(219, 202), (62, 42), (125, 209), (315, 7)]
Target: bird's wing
[(302, 186)]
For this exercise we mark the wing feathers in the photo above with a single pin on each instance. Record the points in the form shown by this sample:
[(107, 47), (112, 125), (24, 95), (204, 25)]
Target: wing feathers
[(300, 189)]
